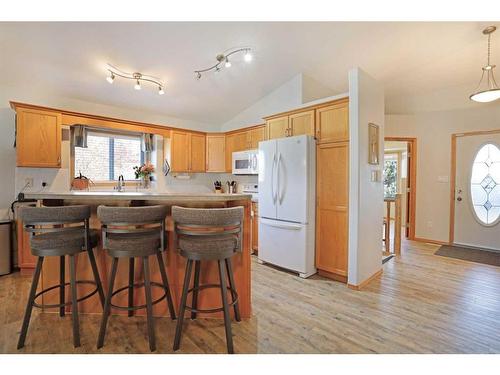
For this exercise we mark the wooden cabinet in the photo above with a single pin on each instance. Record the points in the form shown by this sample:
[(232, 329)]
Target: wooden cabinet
[(216, 153), (229, 152), (255, 227), (186, 151), (301, 123), (277, 127), (257, 135), (294, 124), (38, 138), (332, 188), (332, 123)]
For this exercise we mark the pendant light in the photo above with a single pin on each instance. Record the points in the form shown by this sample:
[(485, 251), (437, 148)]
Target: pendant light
[(489, 90)]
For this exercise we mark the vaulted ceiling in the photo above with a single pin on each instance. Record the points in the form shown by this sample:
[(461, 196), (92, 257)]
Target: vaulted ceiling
[(410, 59)]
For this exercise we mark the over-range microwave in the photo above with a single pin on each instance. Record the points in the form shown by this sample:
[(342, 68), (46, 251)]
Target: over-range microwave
[(246, 162)]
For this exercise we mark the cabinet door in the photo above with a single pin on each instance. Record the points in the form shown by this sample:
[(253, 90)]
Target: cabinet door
[(277, 127), (257, 135), (241, 141), (216, 157), (197, 151), (38, 138), (255, 227), (229, 152), (332, 123), (302, 123), (180, 151), (332, 186)]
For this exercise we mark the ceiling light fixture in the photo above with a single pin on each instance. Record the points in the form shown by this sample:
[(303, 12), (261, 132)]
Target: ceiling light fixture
[(137, 77), (224, 58), (489, 91)]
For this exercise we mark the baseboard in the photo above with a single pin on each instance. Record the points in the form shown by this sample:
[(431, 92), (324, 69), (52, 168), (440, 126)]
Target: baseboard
[(333, 276), (365, 282), (427, 240)]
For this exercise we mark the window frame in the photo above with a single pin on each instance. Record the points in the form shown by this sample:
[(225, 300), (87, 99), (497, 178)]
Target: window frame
[(394, 155), (469, 183), (145, 156)]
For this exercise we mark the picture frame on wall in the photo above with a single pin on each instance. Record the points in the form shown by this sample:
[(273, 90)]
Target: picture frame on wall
[(373, 143)]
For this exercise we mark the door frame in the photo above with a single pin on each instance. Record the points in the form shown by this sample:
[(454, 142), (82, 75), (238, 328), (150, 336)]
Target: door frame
[(412, 212), (453, 174)]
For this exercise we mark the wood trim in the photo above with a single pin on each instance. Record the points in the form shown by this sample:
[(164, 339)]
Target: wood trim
[(240, 130), (413, 182), (308, 108), (427, 240), (453, 172), (366, 282), (71, 114), (333, 276)]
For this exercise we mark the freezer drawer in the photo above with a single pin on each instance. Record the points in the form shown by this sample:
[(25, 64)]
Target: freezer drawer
[(287, 245)]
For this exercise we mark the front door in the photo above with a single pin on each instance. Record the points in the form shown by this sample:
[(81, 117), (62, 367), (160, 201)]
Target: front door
[(477, 191)]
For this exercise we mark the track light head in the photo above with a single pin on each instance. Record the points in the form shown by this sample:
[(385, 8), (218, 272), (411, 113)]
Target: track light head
[(160, 90), (110, 78), (137, 85)]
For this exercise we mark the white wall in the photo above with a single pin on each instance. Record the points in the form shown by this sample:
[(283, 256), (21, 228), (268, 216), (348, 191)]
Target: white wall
[(366, 197), (433, 132), (288, 95)]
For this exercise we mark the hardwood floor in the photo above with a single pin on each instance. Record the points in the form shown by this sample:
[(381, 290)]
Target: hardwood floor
[(421, 304)]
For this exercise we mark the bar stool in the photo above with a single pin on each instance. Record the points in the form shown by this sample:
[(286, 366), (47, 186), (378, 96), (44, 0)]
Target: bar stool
[(204, 235), (60, 231), (134, 232)]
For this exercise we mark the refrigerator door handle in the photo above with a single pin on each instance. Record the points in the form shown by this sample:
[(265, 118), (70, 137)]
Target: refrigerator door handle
[(280, 189), (280, 224), (273, 193)]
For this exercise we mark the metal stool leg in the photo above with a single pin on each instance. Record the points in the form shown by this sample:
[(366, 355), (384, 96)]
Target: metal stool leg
[(232, 285), (74, 303), (227, 317), (131, 265), (97, 278), (107, 304), (29, 305), (182, 307), (149, 306), (62, 280), (164, 278), (196, 284)]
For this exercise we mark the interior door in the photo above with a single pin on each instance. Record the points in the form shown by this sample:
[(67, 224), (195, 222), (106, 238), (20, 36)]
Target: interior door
[(267, 179), (293, 176), (477, 191)]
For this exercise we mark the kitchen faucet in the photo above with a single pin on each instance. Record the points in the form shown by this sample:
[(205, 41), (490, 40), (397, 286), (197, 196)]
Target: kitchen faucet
[(120, 186)]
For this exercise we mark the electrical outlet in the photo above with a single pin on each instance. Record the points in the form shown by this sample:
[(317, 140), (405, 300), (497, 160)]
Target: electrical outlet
[(28, 182)]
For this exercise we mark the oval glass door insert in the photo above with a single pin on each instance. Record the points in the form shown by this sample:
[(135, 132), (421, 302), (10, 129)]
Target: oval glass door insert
[(485, 185)]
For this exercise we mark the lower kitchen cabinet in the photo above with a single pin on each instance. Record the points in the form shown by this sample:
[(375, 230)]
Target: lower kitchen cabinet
[(255, 227), (332, 215)]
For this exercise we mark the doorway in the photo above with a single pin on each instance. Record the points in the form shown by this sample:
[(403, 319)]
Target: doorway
[(401, 153), (475, 197)]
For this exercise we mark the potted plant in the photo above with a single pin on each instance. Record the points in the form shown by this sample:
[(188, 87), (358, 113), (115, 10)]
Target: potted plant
[(144, 172)]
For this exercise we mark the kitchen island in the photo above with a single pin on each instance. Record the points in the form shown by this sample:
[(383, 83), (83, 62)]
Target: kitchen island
[(175, 264)]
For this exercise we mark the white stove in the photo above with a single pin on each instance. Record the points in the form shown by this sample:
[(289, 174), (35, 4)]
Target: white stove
[(252, 189)]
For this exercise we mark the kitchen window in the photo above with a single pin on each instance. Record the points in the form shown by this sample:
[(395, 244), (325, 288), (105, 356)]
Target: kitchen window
[(108, 155)]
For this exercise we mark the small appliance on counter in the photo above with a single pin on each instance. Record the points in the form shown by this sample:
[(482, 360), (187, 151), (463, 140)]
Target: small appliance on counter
[(246, 162), (231, 187)]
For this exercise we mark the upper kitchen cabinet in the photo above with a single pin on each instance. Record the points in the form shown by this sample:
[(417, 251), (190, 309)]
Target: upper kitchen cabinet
[(301, 123), (257, 135), (186, 151), (38, 138), (332, 122), (216, 153), (277, 127)]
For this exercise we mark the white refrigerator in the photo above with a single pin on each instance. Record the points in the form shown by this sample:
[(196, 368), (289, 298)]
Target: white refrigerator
[(287, 194)]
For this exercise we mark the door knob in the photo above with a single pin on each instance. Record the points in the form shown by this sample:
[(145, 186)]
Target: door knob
[(459, 199)]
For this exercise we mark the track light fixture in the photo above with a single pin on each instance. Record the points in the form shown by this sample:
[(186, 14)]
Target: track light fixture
[(224, 58), (137, 77)]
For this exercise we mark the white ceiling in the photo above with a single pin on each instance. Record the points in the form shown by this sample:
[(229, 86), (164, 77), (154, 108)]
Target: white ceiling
[(410, 59)]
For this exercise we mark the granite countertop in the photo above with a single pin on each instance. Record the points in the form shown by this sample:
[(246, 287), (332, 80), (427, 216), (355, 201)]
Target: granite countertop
[(136, 195)]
